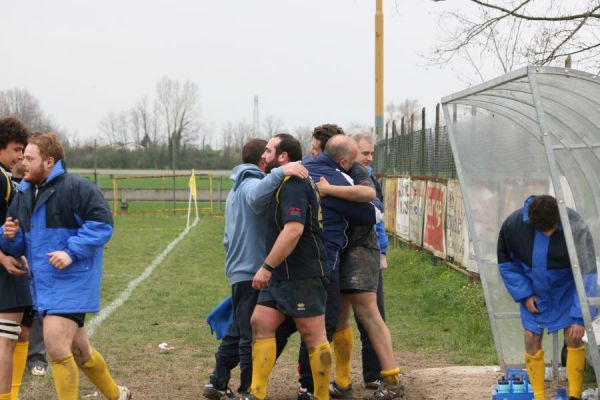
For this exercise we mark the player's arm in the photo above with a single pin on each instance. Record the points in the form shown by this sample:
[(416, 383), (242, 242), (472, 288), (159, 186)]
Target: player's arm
[(95, 226), (358, 193), (258, 192), (284, 245)]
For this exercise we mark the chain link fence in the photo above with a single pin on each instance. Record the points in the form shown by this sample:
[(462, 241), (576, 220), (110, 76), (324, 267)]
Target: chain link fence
[(424, 152)]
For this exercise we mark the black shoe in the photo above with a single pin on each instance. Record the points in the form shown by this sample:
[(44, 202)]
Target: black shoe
[(338, 392), (304, 394), (387, 392), (211, 392), (373, 384)]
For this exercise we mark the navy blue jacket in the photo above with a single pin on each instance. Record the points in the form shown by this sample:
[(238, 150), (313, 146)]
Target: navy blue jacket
[(71, 215), (337, 212)]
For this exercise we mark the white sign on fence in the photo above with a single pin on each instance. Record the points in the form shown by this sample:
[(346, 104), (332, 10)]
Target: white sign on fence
[(403, 208), (416, 211), (457, 232)]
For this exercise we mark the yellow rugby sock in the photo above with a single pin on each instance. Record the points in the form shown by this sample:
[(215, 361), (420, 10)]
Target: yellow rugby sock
[(343, 343), (66, 378), (264, 352), (19, 361), (391, 376), (320, 365), (535, 370), (575, 366), (5, 396), (96, 370)]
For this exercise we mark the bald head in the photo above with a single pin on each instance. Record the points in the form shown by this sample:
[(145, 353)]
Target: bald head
[(343, 150)]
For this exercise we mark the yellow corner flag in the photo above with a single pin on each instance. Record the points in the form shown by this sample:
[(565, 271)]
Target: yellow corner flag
[(192, 186)]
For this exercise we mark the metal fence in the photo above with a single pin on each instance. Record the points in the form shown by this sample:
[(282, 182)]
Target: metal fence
[(424, 152)]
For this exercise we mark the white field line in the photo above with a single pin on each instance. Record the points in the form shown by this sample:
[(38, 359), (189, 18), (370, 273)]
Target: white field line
[(118, 302)]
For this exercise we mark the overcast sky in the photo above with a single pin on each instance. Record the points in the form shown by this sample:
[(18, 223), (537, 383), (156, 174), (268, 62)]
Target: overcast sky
[(309, 61)]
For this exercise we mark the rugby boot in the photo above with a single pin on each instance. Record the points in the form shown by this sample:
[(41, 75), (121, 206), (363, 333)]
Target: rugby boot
[(387, 392)]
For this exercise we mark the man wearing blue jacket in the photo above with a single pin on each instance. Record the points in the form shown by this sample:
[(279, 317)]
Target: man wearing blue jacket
[(61, 223), (536, 270), (245, 248), (370, 364)]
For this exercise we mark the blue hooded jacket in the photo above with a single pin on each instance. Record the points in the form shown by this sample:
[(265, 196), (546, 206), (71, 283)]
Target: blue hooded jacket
[(245, 246), (71, 215), (532, 263)]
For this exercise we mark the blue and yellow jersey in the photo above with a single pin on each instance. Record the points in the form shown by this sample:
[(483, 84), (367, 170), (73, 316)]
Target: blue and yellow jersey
[(298, 200)]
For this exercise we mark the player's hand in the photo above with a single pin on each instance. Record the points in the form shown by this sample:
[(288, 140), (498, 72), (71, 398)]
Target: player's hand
[(11, 228), (531, 304), (383, 262), (295, 169), (261, 279), (59, 259), (13, 266), (575, 332), (323, 185)]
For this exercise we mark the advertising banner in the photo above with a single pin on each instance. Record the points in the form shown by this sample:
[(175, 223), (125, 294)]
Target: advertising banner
[(402, 209), (389, 197), (435, 219), (457, 231), (416, 211)]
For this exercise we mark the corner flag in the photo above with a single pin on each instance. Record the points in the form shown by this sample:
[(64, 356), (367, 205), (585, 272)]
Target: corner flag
[(192, 186), (193, 196)]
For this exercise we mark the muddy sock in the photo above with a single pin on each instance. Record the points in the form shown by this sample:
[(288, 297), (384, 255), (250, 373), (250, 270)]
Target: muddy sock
[(536, 369), (320, 364), (96, 370), (391, 376), (263, 360), (343, 342)]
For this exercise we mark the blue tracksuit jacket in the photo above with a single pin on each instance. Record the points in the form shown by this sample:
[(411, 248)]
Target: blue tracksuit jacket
[(533, 264), (71, 215)]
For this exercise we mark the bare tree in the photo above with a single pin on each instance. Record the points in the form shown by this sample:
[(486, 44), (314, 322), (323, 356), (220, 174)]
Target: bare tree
[(144, 123), (304, 136), (271, 125), (115, 127), (506, 34), (406, 109), (179, 107), (21, 104)]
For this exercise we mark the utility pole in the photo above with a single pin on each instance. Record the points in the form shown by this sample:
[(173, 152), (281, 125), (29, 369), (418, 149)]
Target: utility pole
[(379, 70)]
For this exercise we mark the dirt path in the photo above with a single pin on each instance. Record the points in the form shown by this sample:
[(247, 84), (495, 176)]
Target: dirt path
[(424, 378)]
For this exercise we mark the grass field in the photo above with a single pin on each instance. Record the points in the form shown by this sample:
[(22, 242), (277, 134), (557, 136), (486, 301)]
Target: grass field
[(430, 311)]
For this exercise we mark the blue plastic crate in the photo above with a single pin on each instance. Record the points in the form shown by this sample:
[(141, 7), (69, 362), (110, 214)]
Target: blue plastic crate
[(511, 374)]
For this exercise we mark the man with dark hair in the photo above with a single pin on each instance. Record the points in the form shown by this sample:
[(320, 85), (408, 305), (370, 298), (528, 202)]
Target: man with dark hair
[(245, 248), (536, 269), (321, 134), (293, 275), (61, 223), (16, 313)]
